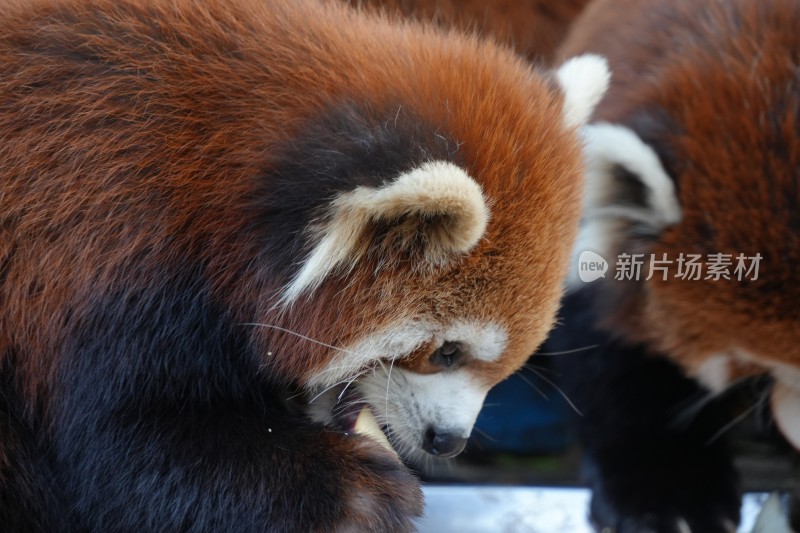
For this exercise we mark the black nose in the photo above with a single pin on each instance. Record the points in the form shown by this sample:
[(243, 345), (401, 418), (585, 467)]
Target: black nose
[(443, 443)]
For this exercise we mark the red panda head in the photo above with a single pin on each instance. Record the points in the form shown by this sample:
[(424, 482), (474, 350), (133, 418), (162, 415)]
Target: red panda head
[(695, 155), (432, 198), (424, 288)]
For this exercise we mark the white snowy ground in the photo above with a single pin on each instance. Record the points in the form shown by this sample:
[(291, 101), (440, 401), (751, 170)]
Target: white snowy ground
[(487, 509)]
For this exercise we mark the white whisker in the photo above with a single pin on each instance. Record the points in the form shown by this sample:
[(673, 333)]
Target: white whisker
[(534, 387), (531, 366), (339, 398), (484, 434), (388, 383), (338, 383), (299, 335), (566, 352), (558, 389), (685, 416), (733, 423)]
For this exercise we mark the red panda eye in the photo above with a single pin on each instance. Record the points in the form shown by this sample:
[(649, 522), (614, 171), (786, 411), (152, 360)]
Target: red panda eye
[(447, 355)]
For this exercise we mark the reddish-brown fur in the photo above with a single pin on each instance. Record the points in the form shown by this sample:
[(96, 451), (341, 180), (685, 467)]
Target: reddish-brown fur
[(714, 87), (535, 212), (136, 137), (534, 28)]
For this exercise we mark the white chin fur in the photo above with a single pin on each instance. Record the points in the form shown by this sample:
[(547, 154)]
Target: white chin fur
[(406, 402), (407, 405), (410, 403)]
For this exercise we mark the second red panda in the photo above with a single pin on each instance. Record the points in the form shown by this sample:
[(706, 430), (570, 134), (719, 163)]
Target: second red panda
[(693, 156)]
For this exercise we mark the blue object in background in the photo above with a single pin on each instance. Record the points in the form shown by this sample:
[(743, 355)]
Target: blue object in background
[(524, 414)]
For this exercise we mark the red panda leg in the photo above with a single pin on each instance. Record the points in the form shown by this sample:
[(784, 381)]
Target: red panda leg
[(650, 469), (30, 497), (167, 424), (210, 469)]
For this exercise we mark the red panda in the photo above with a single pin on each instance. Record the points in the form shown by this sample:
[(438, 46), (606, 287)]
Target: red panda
[(534, 28), (227, 227), (694, 153)]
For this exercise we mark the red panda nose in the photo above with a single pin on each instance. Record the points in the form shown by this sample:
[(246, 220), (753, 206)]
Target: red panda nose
[(443, 443)]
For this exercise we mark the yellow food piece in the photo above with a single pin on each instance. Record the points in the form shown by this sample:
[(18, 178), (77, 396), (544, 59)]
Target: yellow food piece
[(367, 425)]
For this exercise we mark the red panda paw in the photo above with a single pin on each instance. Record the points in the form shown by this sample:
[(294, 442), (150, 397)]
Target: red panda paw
[(382, 494), (654, 511)]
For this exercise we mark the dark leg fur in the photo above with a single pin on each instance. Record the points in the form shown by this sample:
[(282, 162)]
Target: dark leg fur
[(30, 497), (647, 466), (230, 466), (162, 422)]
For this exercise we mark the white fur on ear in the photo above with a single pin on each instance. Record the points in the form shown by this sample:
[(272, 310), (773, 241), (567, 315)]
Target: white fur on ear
[(437, 201), (608, 205), (608, 146), (584, 80)]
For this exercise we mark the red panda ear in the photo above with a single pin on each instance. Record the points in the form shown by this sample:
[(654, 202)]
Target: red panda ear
[(584, 80), (436, 207), (627, 190), (625, 178)]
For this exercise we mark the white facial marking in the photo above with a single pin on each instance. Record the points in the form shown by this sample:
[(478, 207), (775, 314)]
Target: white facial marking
[(785, 396), (782, 372), (410, 403), (406, 402), (715, 372), (485, 342), (446, 400), (788, 374), (436, 189), (391, 343), (584, 80)]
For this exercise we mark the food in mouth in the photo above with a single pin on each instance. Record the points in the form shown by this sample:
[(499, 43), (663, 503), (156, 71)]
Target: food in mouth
[(352, 414), (367, 425)]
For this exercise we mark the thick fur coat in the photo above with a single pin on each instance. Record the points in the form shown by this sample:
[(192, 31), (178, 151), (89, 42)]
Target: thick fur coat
[(226, 224)]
